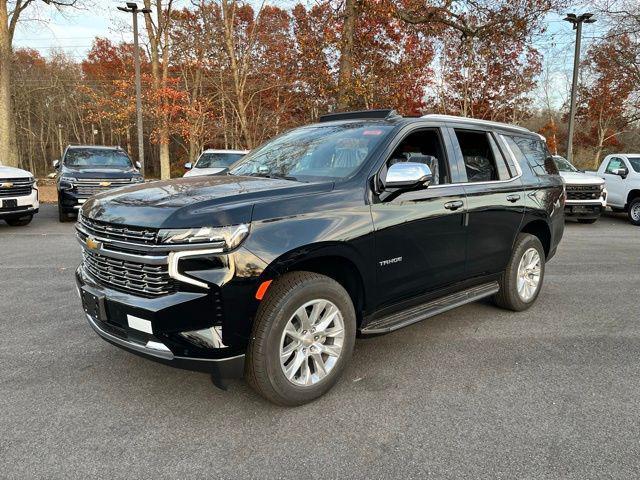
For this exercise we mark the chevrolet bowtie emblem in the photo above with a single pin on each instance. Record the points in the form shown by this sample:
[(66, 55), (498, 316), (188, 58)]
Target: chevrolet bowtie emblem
[(92, 243), (6, 185), (105, 184)]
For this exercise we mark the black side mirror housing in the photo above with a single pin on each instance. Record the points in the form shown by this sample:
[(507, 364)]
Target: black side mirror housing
[(56, 164)]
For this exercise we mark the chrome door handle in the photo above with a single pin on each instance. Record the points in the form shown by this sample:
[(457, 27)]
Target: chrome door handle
[(513, 198), (454, 205)]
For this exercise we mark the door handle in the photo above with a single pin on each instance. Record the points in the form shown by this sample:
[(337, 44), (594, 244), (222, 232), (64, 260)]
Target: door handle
[(454, 205), (513, 198)]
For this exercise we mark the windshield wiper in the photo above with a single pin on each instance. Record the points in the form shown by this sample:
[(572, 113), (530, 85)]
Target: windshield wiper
[(271, 175)]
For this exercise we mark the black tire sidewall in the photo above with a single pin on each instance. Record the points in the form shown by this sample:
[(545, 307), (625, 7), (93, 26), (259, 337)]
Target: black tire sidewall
[(318, 288), (20, 221)]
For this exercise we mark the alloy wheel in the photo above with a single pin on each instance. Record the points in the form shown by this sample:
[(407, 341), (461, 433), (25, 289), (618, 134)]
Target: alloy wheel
[(311, 343), (529, 271)]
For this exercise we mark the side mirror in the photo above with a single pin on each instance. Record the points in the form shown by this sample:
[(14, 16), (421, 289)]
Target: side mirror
[(188, 166), (622, 172), (56, 164), (138, 165), (407, 175)]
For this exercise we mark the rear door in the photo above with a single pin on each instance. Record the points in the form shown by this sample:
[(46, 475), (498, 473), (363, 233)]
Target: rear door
[(420, 237), (495, 199)]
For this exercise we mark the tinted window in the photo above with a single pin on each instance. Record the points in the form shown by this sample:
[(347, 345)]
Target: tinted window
[(423, 146), (96, 157), (532, 153), (635, 163), (314, 153), (217, 160), (478, 155), (614, 164)]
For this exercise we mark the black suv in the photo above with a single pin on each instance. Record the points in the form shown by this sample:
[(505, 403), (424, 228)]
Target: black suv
[(86, 170), (359, 225)]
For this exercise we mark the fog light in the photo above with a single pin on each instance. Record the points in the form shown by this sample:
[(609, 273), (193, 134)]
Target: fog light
[(208, 338)]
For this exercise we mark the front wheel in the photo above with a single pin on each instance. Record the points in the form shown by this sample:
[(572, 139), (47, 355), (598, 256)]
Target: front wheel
[(19, 222), (521, 281), (302, 338), (634, 211), (63, 216)]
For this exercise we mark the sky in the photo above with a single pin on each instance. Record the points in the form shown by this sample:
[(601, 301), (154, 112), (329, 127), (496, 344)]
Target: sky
[(72, 30)]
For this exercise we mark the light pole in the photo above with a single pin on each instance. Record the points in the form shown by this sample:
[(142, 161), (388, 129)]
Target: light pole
[(577, 22), (132, 8)]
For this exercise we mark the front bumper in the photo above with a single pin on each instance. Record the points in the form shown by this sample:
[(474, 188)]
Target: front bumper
[(26, 205), (109, 312), (70, 201), (583, 209)]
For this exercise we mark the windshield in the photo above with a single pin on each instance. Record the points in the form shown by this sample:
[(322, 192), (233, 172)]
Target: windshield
[(314, 153), (564, 165), (217, 160), (96, 157), (635, 163)]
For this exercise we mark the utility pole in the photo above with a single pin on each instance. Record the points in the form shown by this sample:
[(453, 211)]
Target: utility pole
[(132, 8), (577, 22)]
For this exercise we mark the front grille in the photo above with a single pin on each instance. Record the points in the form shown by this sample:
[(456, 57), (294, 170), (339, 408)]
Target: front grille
[(87, 188), (112, 231), (583, 192), (15, 187), (126, 276)]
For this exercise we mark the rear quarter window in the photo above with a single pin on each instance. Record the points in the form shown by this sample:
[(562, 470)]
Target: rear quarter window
[(533, 154)]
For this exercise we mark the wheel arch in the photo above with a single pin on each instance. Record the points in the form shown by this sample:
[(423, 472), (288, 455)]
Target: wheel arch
[(539, 228), (635, 193), (338, 261)]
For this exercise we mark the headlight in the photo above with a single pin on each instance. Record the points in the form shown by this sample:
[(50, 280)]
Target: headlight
[(66, 183), (227, 238)]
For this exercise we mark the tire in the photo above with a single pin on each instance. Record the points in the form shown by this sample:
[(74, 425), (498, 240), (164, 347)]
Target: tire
[(19, 222), (62, 215), (286, 296), (587, 220), (508, 296), (634, 211)]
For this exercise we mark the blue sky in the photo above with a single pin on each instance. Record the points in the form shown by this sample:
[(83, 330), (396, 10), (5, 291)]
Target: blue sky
[(73, 30)]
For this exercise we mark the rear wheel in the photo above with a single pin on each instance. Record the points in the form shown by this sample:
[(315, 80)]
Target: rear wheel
[(62, 215), (587, 220), (303, 337), (19, 222), (521, 281), (634, 211)]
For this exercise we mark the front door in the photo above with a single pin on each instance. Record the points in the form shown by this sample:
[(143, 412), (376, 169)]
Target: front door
[(420, 237), (615, 184)]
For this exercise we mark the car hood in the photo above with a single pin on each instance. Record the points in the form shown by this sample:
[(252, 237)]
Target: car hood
[(10, 172), (195, 201), (196, 172), (579, 178), (87, 173)]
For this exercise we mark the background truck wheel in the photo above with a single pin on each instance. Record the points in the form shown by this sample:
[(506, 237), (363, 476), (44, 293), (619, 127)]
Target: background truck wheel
[(634, 211), (302, 338), (19, 222), (587, 220), (62, 215), (521, 281)]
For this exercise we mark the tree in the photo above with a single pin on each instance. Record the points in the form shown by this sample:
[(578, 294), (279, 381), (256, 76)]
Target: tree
[(10, 13)]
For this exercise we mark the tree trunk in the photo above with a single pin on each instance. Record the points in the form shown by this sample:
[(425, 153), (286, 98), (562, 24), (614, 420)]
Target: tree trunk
[(8, 147), (345, 72)]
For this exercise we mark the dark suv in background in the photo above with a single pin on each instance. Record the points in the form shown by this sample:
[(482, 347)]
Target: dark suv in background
[(361, 224), (85, 170)]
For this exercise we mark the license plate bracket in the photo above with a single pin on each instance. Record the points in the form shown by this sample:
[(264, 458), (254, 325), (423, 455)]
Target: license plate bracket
[(10, 203), (93, 305)]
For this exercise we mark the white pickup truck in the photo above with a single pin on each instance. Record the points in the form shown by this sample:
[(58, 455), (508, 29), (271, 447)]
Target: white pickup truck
[(18, 196), (621, 172), (586, 192)]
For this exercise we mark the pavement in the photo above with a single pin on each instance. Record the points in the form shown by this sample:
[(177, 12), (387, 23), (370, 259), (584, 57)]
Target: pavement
[(477, 392)]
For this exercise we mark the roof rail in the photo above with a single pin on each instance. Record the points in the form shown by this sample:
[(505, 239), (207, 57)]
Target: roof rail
[(359, 114), (475, 121)]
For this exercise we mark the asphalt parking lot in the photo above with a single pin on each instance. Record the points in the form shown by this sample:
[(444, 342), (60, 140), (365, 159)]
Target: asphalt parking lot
[(476, 392)]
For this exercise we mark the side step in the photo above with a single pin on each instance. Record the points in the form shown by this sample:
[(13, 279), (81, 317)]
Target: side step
[(434, 307)]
